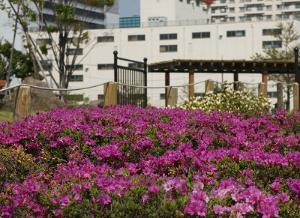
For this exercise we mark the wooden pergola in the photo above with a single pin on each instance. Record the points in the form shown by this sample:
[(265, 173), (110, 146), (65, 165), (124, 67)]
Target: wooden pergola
[(234, 67)]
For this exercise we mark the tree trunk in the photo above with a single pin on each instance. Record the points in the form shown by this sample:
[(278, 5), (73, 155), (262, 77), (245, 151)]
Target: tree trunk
[(63, 40)]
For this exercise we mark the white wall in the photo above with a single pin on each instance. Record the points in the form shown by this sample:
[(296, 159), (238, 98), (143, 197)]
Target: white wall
[(184, 11), (173, 10), (157, 8)]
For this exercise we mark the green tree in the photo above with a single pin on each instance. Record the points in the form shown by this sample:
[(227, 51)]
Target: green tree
[(286, 33), (21, 63), (65, 32)]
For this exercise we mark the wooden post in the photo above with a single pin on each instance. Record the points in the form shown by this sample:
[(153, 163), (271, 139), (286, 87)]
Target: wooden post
[(236, 80), (209, 86), (191, 84), (171, 97), (280, 104), (167, 83), (262, 91), (23, 102), (264, 79), (110, 94), (296, 97)]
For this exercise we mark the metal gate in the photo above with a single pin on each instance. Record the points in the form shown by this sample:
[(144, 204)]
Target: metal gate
[(132, 80)]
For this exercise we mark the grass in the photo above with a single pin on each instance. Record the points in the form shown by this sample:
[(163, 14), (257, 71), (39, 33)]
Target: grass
[(6, 116)]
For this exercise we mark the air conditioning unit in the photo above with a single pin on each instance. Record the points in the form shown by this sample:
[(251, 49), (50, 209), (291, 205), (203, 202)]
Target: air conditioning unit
[(155, 21)]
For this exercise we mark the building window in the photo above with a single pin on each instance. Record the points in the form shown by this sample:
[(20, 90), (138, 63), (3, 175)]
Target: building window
[(74, 51), (268, 17), (136, 65), (105, 66), (200, 35), (101, 97), (75, 67), (271, 32), (168, 48), (231, 19), (272, 94), (271, 44), (162, 96), (76, 78), (127, 22), (105, 39), (136, 38), (74, 97), (168, 36), (47, 65), (45, 41), (236, 33), (75, 40)]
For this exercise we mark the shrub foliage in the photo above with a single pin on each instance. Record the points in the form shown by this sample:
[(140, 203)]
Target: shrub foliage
[(228, 100), (133, 162)]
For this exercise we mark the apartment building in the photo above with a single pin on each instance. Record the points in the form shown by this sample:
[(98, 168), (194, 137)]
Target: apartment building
[(253, 10), (92, 17)]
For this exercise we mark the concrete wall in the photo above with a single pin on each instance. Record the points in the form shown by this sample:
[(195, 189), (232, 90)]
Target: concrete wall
[(171, 9)]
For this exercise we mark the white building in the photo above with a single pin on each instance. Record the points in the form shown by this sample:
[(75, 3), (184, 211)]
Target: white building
[(181, 40), (253, 10)]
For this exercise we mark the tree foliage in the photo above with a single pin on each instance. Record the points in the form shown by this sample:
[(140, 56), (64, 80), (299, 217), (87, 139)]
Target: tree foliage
[(21, 63), (66, 31), (288, 37)]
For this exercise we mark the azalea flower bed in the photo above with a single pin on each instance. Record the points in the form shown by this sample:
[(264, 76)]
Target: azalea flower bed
[(133, 162)]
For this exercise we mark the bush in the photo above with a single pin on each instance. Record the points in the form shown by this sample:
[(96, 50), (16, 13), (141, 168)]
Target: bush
[(228, 100), (134, 162), (15, 164)]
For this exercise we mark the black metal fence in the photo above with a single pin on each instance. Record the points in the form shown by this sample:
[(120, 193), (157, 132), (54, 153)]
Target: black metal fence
[(128, 77)]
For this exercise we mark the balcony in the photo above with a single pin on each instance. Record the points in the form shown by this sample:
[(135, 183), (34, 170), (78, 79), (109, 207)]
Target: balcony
[(254, 11), (221, 3), (290, 8)]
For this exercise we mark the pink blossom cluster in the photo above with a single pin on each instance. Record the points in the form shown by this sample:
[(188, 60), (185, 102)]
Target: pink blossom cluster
[(213, 163)]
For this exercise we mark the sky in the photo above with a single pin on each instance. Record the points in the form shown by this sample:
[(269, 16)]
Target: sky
[(129, 7), (6, 30)]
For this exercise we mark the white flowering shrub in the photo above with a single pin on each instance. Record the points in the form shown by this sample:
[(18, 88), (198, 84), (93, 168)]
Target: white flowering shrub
[(228, 100)]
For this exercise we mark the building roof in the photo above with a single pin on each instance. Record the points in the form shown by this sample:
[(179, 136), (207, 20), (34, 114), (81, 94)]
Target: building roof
[(223, 66)]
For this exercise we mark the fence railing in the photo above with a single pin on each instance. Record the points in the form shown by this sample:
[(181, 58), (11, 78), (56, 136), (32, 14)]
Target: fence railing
[(172, 94)]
